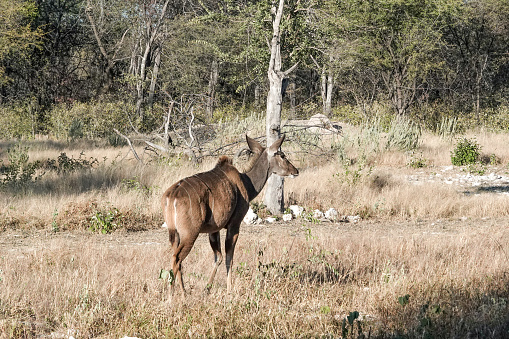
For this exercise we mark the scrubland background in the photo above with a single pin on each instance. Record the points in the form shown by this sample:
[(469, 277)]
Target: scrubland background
[(82, 249)]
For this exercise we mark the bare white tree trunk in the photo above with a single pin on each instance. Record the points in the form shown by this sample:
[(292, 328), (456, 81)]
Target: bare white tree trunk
[(274, 197), (327, 86)]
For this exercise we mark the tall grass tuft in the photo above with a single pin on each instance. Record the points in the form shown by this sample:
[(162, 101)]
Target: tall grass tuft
[(403, 135)]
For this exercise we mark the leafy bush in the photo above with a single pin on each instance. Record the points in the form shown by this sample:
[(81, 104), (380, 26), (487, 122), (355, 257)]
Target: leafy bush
[(466, 152), (105, 220), (64, 165), (17, 121), (88, 120), (19, 172)]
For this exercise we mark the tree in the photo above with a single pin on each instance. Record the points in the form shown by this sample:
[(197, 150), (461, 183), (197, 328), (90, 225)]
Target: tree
[(17, 34), (109, 26), (397, 41), (274, 197), (478, 32)]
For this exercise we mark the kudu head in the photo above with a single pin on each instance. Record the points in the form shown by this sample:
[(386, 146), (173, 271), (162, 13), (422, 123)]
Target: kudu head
[(277, 161)]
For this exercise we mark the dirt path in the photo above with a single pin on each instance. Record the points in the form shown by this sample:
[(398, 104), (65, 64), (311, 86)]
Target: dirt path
[(24, 241)]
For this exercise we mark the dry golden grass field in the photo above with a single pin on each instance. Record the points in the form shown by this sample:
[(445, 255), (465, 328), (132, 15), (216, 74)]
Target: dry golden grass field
[(429, 257)]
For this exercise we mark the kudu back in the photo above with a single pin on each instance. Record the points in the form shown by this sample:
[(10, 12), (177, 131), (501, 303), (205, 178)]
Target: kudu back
[(210, 201)]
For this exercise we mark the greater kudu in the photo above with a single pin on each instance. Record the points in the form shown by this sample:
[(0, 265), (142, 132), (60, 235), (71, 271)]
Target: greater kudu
[(210, 201)]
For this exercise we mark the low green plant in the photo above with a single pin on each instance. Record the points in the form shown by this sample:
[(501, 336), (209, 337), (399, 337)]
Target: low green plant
[(349, 328), (417, 161), (54, 224), (134, 184), (477, 169), (65, 164), (105, 220), (467, 151), (19, 172)]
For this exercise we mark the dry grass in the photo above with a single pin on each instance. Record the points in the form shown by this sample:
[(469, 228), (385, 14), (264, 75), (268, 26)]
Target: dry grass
[(294, 280), (290, 281)]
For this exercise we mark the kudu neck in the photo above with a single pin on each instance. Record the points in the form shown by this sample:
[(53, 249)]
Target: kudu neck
[(256, 177)]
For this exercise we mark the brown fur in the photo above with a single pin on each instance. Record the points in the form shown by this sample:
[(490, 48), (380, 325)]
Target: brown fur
[(210, 201)]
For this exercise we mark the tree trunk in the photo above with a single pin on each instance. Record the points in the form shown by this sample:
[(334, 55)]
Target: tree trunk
[(257, 95), (274, 197), (214, 71), (155, 73), (291, 96)]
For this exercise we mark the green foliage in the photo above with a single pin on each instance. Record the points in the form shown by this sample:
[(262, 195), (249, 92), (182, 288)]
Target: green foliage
[(88, 120), (417, 161), (404, 300), (66, 165), (348, 328), (167, 275), (135, 185), (466, 152), (17, 35), (105, 220), (19, 172), (54, 224), (18, 120)]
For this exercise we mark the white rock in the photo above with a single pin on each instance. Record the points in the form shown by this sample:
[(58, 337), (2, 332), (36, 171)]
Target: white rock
[(331, 214), (317, 214), (353, 218), (270, 220), (296, 210), (287, 217), (164, 225), (251, 217)]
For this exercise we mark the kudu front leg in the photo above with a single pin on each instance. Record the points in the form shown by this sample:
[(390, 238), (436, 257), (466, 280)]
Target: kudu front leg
[(215, 243), (231, 240)]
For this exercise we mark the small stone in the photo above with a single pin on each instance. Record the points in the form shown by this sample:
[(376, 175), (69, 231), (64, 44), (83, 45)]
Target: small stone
[(296, 210), (251, 217), (287, 217), (164, 225), (317, 214), (353, 218), (331, 214), (270, 220)]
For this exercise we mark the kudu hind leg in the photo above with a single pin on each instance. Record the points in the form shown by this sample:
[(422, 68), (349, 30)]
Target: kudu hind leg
[(174, 243), (215, 243), (179, 255), (231, 240)]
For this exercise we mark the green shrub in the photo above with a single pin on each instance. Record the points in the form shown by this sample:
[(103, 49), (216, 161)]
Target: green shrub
[(18, 121), (88, 120), (466, 152), (105, 220), (19, 172)]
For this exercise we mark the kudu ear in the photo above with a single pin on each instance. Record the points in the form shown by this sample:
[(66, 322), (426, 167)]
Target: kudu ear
[(254, 145), (275, 146)]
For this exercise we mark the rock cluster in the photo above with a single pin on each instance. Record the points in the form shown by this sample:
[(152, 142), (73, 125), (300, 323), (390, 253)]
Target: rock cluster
[(295, 211)]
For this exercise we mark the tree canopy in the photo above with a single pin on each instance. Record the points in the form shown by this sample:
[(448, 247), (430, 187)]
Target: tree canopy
[(417, 58)]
